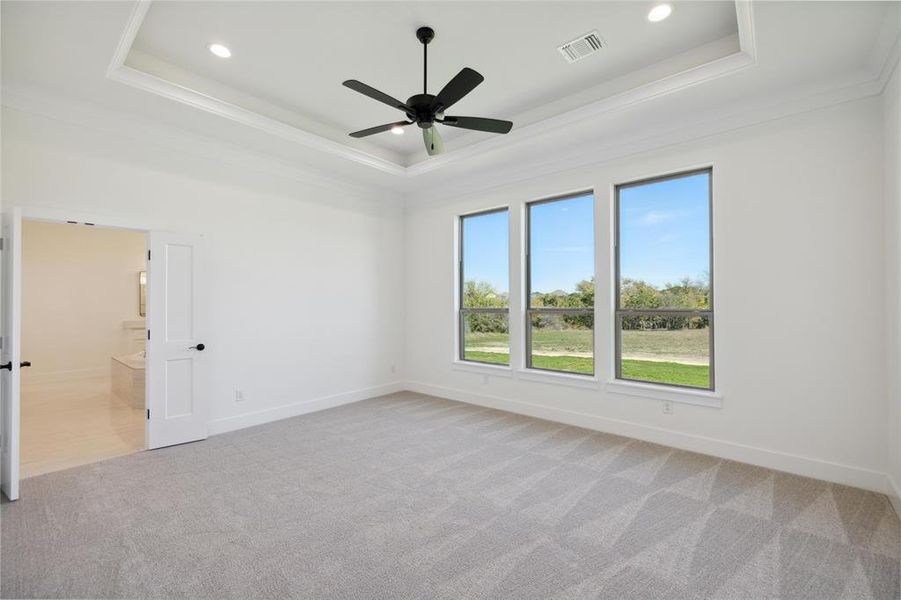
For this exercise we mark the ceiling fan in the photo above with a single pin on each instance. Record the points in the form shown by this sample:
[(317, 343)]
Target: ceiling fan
[(425, 109)]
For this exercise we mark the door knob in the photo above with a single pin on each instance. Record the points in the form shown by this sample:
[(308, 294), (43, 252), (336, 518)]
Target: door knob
[(198, 347), (9, 366)]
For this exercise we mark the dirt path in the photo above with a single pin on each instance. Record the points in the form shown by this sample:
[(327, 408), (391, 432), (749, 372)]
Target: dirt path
[(685, 360)]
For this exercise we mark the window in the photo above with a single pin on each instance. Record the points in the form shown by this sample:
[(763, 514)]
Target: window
[(664, 294), (484, 287), (560, 285)]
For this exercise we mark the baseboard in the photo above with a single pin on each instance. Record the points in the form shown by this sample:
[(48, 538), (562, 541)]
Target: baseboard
[(39, 378), (277, 413), (894, 494), (780, 461)]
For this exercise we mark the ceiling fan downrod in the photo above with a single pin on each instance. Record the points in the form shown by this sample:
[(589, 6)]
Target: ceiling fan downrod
[(425, 35)]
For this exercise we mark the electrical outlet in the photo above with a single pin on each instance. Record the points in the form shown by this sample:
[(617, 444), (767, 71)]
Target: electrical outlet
[(667, 407), (393, 368), (239, 396), (484, 379)]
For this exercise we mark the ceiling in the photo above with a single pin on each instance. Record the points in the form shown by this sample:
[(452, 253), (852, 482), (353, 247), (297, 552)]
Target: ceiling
[(143, 70), (289, 59)]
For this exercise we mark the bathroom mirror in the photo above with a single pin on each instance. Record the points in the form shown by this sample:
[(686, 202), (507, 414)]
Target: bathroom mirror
[(142, 293)]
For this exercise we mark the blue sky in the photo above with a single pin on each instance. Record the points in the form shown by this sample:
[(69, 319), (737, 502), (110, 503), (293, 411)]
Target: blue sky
[(486, 249), (665, 231), (664, 237), (562, 239)]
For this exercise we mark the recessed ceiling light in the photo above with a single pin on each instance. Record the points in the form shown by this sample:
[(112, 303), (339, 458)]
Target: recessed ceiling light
[(660, 12), (220, 50), (397, 130)]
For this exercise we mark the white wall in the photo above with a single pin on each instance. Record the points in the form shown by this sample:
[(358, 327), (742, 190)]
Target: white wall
[(305, 281), (892, 116), (319, 291), (79, 284), (798, 254)]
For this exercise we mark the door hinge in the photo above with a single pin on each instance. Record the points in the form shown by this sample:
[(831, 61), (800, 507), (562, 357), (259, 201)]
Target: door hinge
[(148, 414), (148, 334), (148, 255), (1, 243)]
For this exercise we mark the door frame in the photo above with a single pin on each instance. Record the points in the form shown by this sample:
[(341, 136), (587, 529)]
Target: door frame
[(57, 215)]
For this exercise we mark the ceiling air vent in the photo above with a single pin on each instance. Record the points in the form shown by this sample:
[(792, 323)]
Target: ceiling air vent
[(581, 47)]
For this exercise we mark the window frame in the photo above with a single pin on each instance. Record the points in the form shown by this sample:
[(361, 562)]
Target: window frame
[(527, 283), (462, 311), (619, 313)]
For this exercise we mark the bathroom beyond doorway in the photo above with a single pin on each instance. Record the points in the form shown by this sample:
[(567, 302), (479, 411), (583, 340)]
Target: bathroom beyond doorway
[(83, 332)]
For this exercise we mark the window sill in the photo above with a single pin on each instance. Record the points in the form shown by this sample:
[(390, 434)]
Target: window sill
[(482, 368), (665, 393), (581, 381)]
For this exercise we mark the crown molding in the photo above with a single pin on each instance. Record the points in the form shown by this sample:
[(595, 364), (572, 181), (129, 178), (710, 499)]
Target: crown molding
[(841, 91), (120, 72), (577, 117), (30, 100), (127, 39), (108, 121), (744, 58), (167, 89), (885, 61)]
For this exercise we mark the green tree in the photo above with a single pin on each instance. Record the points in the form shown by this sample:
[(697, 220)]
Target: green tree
[(481, 294), (636, 294), (686, 294), (583, 297)]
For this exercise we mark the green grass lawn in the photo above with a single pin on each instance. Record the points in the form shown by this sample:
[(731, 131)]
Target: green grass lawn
[(488, 357), (568, 340), (692, 344), (666, 372), (639, 370)]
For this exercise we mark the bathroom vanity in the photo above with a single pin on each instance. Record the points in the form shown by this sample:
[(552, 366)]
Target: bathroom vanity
[(127, 371)]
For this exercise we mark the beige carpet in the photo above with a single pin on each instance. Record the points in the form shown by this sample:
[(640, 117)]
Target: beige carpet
[(408, 496)]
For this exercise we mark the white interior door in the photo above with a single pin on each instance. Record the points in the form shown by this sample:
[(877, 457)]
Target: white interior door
[(10, 354), (176, 398)]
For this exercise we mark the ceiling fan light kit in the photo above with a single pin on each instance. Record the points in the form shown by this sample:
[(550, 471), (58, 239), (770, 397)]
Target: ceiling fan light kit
[(425, 110)]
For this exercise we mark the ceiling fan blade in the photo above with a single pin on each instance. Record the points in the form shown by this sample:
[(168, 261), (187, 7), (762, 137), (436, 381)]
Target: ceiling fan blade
[(379, 129), (433, 142), (359, 86), (464, 82), (479, 124)]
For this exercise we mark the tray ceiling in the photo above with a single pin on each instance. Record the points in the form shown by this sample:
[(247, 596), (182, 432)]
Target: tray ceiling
[(93, 64), (289, 59)]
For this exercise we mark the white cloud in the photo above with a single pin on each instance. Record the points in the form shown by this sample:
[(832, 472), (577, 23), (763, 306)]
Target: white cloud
[(655, 217), (567, 249)]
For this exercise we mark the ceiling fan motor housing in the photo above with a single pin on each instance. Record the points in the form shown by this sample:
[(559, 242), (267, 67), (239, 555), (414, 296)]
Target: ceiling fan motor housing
[(423, 109)]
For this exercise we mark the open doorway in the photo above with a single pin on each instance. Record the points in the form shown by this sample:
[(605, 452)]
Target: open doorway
[(83, 331), (176, 376)]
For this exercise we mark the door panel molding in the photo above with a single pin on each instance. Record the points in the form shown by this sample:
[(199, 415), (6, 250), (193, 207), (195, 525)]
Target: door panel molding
[(175, 348)]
